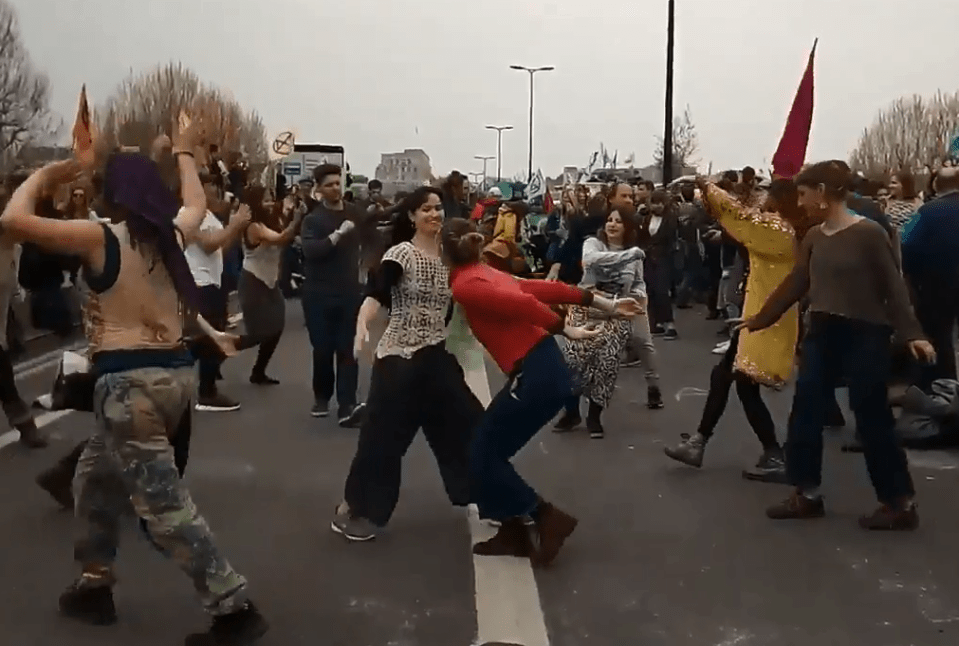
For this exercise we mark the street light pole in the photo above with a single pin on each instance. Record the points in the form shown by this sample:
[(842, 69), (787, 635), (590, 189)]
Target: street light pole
[(499, 149), (532, 71), (668, 130), (484, 159)]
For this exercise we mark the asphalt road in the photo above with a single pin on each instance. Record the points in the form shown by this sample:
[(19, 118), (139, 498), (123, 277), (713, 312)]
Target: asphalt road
[(664, 555)]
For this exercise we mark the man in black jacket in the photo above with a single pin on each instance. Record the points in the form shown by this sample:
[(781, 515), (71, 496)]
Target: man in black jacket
[(332, 235)]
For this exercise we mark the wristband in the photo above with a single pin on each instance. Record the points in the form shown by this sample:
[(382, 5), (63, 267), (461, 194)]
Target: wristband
[(177, 153)]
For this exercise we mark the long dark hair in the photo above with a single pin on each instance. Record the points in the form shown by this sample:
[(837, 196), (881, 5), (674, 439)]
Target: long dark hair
[(254, 197), (833, 176), (627, 215), (403, 227)]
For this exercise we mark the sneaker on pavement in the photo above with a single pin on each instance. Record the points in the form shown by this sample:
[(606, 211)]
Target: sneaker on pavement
[(654, 398), (770, 468), (356, 530), (217, 403), (567, 422), (890, 519), (722, 348), (320, 409), (351, 416)]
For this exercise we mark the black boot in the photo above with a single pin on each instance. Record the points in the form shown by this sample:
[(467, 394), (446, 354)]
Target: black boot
[(593, 422), (91, 605), (240, 628), (654, 398)]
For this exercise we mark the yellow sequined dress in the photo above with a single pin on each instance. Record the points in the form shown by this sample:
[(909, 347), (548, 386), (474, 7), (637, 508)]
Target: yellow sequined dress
[(766, 356)]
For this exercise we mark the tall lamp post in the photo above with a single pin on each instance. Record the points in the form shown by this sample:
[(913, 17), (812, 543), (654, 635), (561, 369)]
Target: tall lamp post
[(532, 71), (484, 159), (499, 149), (668, 130)]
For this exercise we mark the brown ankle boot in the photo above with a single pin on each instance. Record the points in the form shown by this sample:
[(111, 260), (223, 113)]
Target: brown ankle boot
[(554, 526), (511, 539)]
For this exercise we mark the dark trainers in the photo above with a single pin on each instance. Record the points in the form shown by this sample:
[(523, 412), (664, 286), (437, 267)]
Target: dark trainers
[(889, 519), (595, 428), (262, 379), (770, 468), (216, 403), (356, 530), (797, 507), (690, 451), (351, 416), (670, 335), (91, 605), (512, 539), (654, 398), (568, 422), (240, 628), (320, 409)]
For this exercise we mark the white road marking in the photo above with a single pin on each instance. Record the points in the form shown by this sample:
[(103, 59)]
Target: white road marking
[(689, 391), (42, 420), (508, 607), (43, 362)]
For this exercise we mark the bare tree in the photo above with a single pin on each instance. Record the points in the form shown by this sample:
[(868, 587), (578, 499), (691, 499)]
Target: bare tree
[(912, 133), (685, 144), (143, 105), (24, 92)]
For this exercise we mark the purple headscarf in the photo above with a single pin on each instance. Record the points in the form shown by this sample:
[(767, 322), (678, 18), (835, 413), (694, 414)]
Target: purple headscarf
[(134, 182)]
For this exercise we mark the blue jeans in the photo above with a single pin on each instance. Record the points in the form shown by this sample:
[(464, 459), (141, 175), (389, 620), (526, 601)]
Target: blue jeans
[(331, 325), (527, 402), (834, 348)]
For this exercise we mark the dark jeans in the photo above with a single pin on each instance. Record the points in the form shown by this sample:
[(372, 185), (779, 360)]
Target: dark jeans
[(836, 347), (426, 391), (213, 307), (659, 283), (937, 308), (527, 402), (14, 407), (695, 280), (720, 382), (331, 325)]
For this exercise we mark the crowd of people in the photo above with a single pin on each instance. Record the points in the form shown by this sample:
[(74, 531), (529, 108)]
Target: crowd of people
[(825, 271)]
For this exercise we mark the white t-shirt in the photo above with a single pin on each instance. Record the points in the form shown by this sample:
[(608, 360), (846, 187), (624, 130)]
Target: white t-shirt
[(207, 268)]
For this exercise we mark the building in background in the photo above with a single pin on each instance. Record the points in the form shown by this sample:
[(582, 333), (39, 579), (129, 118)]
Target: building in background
[(404, 171)]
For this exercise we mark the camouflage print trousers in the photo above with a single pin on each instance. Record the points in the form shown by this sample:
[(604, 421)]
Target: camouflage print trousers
[(130, 459)]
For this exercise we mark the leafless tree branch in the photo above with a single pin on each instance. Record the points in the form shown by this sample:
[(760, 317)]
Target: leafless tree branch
[(911, 133), (685, 144), (24, 92)]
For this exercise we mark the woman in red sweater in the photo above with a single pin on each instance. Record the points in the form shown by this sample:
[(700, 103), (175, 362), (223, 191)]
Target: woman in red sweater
[(513, 320)]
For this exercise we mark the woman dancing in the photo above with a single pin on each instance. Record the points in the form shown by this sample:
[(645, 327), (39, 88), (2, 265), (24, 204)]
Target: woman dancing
[(261, 300), (513, 320), (753, 359), (857, 298), (139, 278), (612, 267), (416, 382)]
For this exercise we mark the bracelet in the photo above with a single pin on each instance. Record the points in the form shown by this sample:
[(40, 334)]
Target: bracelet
[(177, 153)]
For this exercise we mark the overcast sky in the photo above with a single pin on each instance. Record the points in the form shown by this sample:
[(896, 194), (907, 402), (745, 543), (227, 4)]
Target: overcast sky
[(382, 75)]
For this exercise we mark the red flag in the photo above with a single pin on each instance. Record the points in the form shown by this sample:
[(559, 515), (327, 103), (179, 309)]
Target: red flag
[(791, 154), (83, 129), (548, 203)]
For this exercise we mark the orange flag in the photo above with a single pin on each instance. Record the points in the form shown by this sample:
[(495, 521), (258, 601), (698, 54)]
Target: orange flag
[(83, 130), (791, 154)]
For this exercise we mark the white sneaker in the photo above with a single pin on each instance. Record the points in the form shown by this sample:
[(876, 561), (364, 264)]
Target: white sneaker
[(722, 348)]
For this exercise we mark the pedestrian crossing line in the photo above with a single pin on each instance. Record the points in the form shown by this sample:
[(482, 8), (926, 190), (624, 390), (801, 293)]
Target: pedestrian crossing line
[(508, 607)]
